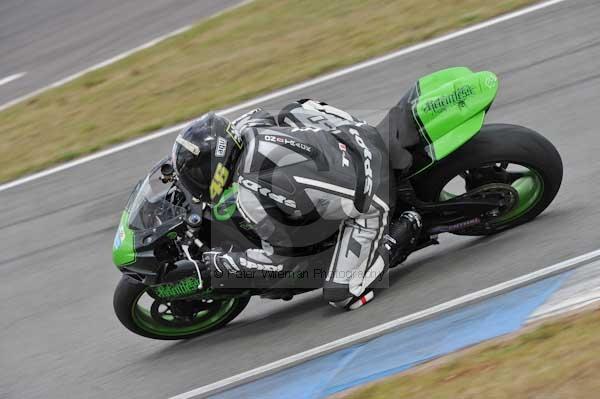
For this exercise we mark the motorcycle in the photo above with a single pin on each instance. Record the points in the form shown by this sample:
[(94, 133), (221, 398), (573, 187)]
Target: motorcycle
[(466, 178)]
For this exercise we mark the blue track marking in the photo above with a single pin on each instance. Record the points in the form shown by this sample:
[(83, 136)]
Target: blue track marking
[(400, 350)]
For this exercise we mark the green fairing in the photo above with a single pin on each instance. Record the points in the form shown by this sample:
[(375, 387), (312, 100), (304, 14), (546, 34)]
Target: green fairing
[(180, 289), (123, 247), (451, 107), (226, 206)]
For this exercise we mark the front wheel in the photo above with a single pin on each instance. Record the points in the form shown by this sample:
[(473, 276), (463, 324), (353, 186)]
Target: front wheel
[(499, 153), (180, 319)]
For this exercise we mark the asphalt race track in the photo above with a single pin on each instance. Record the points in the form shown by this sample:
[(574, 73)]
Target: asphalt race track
[(60, 338), (52, 39)]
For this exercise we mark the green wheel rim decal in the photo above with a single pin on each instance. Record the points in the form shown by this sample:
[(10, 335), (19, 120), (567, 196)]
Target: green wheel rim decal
[(445, 196), (144, 320), (530, 188)]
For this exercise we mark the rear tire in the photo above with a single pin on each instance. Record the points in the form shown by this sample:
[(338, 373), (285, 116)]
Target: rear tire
[(498, 143), (125, 302)]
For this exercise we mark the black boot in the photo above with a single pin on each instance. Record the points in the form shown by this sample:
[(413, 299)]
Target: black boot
[(402, 237)]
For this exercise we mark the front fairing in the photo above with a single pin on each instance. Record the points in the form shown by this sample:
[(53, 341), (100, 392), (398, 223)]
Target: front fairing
[(150, 217)]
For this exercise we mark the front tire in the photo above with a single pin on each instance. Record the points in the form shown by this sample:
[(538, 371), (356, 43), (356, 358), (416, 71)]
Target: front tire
[(501, 144), (127, 303)]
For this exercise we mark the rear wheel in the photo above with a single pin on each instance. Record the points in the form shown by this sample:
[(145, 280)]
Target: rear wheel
[(180, 319), (499, 153)]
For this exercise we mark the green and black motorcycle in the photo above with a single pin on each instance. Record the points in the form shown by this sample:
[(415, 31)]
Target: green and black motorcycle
[(466, 178)]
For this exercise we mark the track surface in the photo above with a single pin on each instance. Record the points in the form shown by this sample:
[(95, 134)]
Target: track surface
[(60, 338), (52, 39)]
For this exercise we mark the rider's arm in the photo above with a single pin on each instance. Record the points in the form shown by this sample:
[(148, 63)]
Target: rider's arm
[(260, 268)]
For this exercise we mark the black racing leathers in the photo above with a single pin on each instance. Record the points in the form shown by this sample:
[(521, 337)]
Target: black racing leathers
[(314, 173)]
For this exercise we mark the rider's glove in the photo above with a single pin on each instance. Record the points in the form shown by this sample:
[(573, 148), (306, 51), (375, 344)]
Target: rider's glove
[(219, 263)]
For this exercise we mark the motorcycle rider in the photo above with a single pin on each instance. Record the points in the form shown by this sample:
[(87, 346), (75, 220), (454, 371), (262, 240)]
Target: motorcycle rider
[(314, 171)]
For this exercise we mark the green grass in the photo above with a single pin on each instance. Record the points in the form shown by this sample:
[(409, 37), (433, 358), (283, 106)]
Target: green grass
[(560, 359), (235, 56)]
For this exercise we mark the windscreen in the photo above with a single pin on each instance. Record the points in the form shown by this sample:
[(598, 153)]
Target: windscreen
[(149, 205)]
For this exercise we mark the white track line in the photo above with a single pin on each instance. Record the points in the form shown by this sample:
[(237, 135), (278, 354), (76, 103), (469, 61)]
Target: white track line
[(114, 59), (381, 329), (287, 90), (10, 78), (573, 304), (94, 67)]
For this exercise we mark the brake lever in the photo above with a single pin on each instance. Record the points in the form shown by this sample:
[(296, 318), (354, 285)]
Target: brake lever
[(186, 251)]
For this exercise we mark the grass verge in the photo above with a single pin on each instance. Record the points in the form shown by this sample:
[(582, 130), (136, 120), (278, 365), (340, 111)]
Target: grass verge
[(559, 359), (235, 56)]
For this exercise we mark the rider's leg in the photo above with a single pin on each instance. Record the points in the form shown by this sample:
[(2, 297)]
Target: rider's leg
[(352, 255), (359, 289)]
